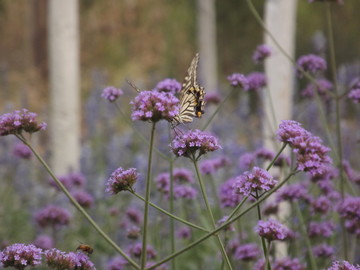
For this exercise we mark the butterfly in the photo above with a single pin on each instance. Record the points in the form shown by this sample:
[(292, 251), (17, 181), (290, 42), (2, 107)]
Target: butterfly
[(191, 96)]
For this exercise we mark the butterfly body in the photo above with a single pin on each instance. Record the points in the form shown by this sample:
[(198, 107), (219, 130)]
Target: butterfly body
[(191, 96), (85, 248)]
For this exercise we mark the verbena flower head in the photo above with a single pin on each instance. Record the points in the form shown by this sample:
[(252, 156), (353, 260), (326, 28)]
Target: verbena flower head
[(121, 180), (261, 53), (20, 121), (212, 98), (257, 80), (133, 232), (44, 242), (322, 87), (194, 144), (321, 229), (56, 259), (271, 230), (117, 263), (349, 209), (240, 80), (256, 180), (293, 192), (70, 181), (20, 150), (111, 93), (20, 256), (222, 220), (271, 208), (53, 216), (182, 175), (354, 95), (247, 160), (133, 215), (311, 155), (83, 198), (247, 252), (210, 166), (343, 265), (135, 250), (183, 233), (185, 192), (321, 205), (163, 182), (311, 63), (323, 251), (228, 198), (168, 85), (154, 106), (288, 264), (353, 175)]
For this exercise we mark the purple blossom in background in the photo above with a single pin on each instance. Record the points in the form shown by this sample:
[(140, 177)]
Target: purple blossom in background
[(354, 95), (227, 196), (353, 175), (160, 267), (353, 226), (261, 53), (222, 220), (83, 198), (194, 144), (121, 180), (256, 180), (323, 86), (168, 85), (337, 1), (271, 230), (184, 233), (349, 209), (154, 106), (44, 242), (323, 251), (311, 155), (53, 216), (246, 161), (257, 80), (111, 93), (163, 183), (240, 80), (77, 179), (247, 252), (210, 166), (64, 179), (20, 150), (264, 154), (133, 232), (57, 259), (135, 250), (20, 256), (259, 265), (212, 98), (271, 208), (134, 215), (232, 246), (182, 175), (19, 121), (321, 205), (323, 229), (293, 192), (311, 63), (288, 264), (282, 161), (343, 265), (185, 192), (70, 181), (117, 263)]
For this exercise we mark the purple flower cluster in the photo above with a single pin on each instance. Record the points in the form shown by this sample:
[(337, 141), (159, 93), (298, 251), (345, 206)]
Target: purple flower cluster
[(261, 53), (321, 205), (343, 265), (183, 233), (83, 198), (133, 215), (56, 259), (323, 229), (355, 90), (194, 142), (117, 263), (185, 192), (222, 220), (322, 87), (311, 155), (53, 216), (210, 166), (154, 106), (133, 232), (247, 252), (70, 181), (228, 198), (311, 63), (247, 160), (349, 209), (288, 264), (111, 93), (121, 180), (19, 121), (256, 180), (212, 98), (323, 251), (293, 192), (168, 85), (20, 256), (256, 80), (44, 241), (20, 150), (135, 250), (353, 175), (271, 230), (182, 175), (240, 80)]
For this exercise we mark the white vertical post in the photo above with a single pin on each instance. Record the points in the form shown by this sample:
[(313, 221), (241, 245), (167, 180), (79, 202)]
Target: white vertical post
[(64, 84)]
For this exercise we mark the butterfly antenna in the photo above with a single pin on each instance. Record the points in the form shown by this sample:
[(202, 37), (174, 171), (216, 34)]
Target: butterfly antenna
[(133, 86)]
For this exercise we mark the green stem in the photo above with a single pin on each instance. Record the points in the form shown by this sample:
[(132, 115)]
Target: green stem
[(203, 192), (337, 113), (267, 257), (268, 266), (276, 157), (224, 225), (305, 236), (218, 108), (147, 198), (77, 205), (171, 206)]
